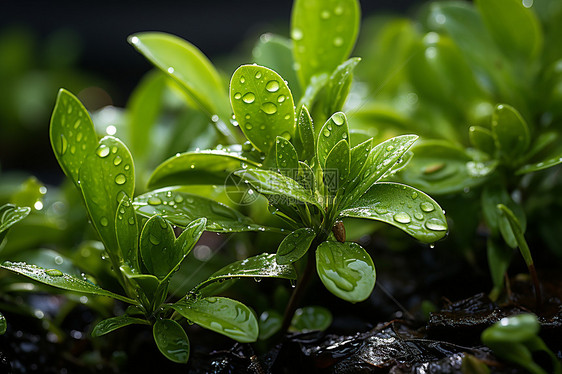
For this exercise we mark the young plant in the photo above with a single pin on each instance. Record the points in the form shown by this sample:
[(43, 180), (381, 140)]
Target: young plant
[(311, 177), (144, 254), (515, 339)]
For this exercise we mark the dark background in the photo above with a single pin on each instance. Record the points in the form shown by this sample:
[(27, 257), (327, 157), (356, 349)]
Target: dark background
[(94, 35)]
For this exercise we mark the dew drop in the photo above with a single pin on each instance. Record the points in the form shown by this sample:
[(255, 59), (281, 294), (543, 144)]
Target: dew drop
[(269, 108), (242, 80), (280, 98), (418, 216), (402, 217), (131, 220), (102, 151), (153, 200), (73, 149), (154, 240), (338, 42), (127, 167), (296, 34), (258, 75), (63, 144), (287, 116), (79, 136), (117, 160), (120, 179), (54, 272), (248, 126), (171, 70), (338, 11), (435, 224), (249, 98), (178, 198), (326, 132), (104, 222), (325, 14), (237, 95), (338, 119), (414, 195), (272, 86), (427, 207)]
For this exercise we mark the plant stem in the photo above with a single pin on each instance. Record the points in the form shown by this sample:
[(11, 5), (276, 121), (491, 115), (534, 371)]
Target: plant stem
[(299, 290), (536, 285)]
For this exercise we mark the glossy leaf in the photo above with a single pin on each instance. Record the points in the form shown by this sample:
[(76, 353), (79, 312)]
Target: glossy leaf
[(516, 329), (295, 245), (381, 159), (143, 110), (492, 195), (323, 33), (304, 139), (262, 104), (401, 206), (510, 132), (359, 155), (106, 176), (346, 270), (440, 167), (204, 167), (286, 155), (514, 27), (180, 208), (188, 66), (222, 315), (518, 233), (127, 232), (337, 87), (10, 215), (545, 164), (499, 258), (269, 323), (264, 265), (145, 285), (72, 134), (311, 318), (276, 53), (280, 187), (3, 324), (336, 170), (482, 139), (171, 340), (111, 324), (334, 130), (56, 278)]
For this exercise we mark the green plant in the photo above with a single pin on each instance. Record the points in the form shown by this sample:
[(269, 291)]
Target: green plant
[(312, 177), (515, 339), (144, 254), (482, 90)]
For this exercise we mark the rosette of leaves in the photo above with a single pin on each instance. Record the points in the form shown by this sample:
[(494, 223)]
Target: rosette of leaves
[(144, 253), (479, 83), (312, 177)]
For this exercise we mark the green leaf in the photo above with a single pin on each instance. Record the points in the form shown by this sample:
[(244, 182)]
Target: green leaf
[(276, 53), (482, 139), (72, 134), (3, 324), (334, 130), (269, 323), (518, 232), (439, 167), (359, 155), (106, 176), (402, 206), (10, 215), (180, 208), (262, 104), (159, 250), (346, 270), (515, 329), (545, 164), (382, 158), (323, 33), (295, 245), (492, 195), (514, 27), (311, 318), (337, 87), (171, 340), (264, 265), (287, 158), (499, 258), (127, 233), (222, 315), (56, 278), (336, 170), (143, 109), (111, 324), (282, 188), (145, 285), (203, 167), (188, 66), (510, 132), (304, 139)]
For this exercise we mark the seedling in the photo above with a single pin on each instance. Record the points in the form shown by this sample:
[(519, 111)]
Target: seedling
[(515, 339), (145, 254)]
